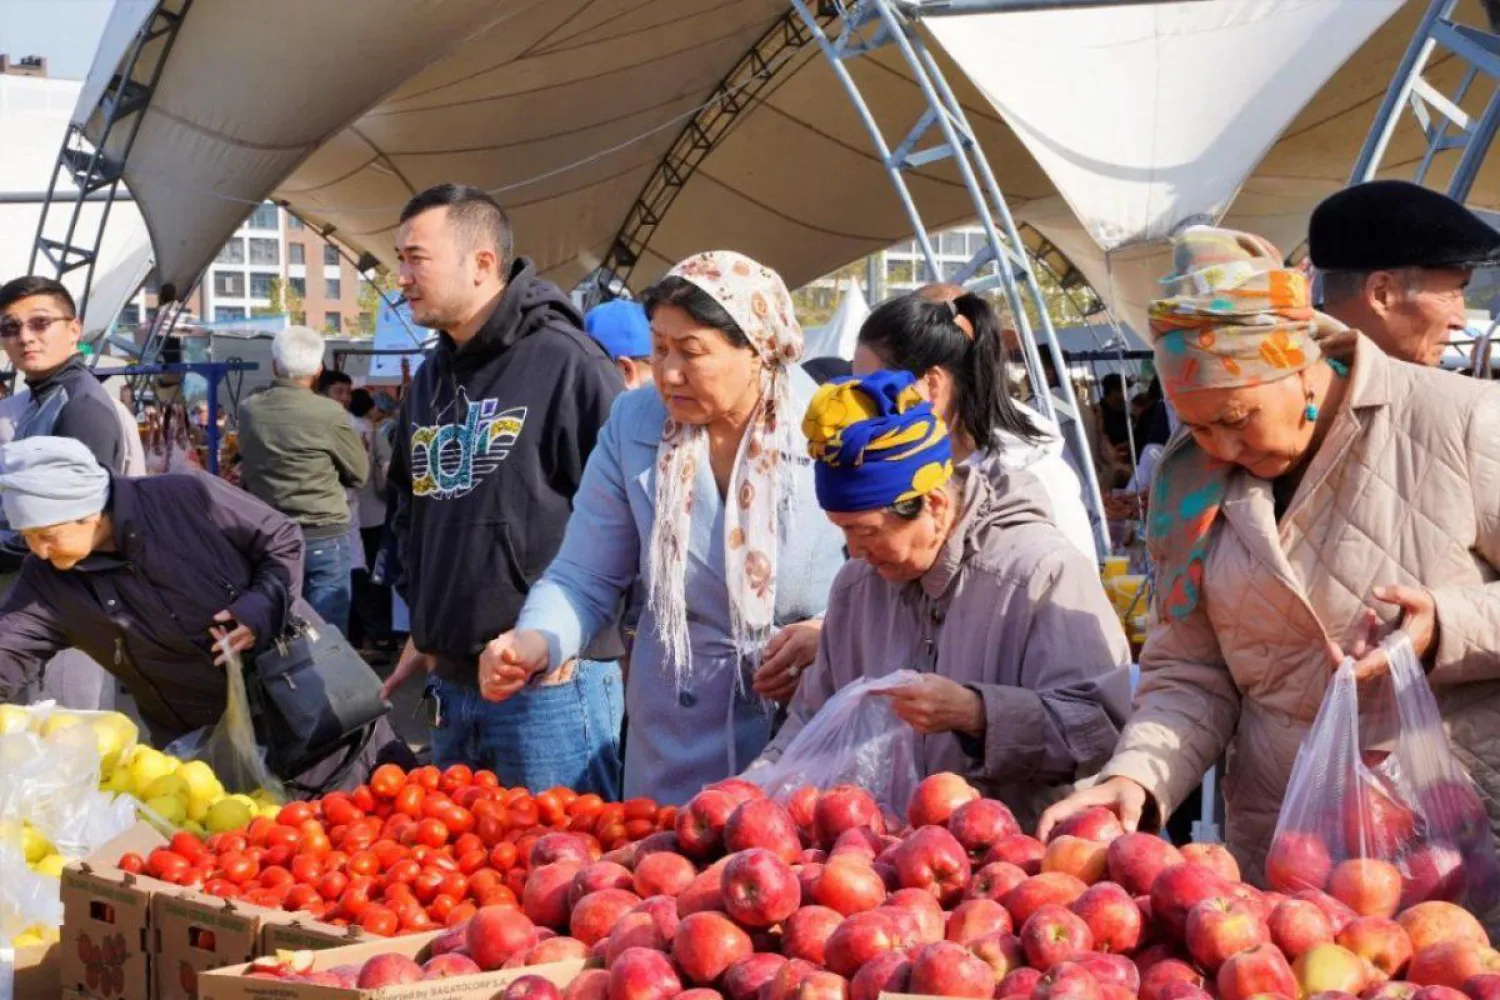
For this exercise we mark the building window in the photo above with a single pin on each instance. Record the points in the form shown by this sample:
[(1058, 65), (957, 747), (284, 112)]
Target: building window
[(130, 315), (229, 284), (299, 285), (264, 217), (333, 322), (232, 252), (226, 314), (296, 253), (332, 289), (330, 254), (292, 222), (953, 245), (265, 251), (260, 285)]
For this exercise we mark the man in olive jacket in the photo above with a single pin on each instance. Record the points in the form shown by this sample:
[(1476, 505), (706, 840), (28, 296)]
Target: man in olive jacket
[(299, 454)]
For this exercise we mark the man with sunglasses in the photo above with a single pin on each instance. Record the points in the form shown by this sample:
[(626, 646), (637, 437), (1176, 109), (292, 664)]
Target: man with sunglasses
[(40, 329)]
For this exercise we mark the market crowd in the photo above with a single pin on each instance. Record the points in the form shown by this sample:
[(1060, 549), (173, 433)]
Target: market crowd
[(636, 551)]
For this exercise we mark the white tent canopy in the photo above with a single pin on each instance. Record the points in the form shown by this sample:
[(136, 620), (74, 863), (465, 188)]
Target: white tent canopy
[(837, 338), (33, 119), (564, 109), (1146, 116)]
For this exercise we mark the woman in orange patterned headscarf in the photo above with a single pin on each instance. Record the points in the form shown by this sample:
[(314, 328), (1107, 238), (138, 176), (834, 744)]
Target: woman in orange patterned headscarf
[(1320, 495)]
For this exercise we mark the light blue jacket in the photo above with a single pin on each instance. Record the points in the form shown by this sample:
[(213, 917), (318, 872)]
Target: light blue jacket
[(716, 726)]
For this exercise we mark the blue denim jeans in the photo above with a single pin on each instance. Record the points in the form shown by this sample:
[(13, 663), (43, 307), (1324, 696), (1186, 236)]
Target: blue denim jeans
[(325, 579), (565, 734)]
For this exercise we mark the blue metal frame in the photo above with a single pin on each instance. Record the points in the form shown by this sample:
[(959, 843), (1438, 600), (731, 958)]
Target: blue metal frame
[(212, 372), (943, 132), (1444, 123)]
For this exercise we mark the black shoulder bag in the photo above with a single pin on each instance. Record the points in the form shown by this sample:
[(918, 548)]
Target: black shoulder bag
[(312, 696)]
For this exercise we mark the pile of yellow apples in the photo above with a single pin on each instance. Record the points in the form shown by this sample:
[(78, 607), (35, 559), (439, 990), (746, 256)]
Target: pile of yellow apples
[(183, 795)]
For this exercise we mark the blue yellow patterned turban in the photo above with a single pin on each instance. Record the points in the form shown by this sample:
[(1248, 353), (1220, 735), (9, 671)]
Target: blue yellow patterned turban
[(876, 441)]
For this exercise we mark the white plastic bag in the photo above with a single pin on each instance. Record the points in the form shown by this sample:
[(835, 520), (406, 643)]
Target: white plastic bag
[(855, 739), (1378, 780)]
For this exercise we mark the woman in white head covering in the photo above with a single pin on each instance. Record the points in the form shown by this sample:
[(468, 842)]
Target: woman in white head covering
[(700, 491)]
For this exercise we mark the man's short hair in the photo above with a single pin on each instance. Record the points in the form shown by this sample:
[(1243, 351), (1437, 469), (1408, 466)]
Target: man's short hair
[(298, 351), (15, 290), (328, 378), (1112, 382), (479, 221), (1341, 285)]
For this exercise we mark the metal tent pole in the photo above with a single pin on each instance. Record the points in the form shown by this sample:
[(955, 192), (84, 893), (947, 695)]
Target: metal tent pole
[(942, 132), (95, 168)]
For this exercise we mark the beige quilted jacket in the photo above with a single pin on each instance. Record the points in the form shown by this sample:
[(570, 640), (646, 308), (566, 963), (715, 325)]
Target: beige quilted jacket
[(1405, 490)]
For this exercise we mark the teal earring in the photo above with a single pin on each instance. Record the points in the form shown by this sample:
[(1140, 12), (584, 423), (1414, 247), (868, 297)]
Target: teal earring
[(1310, 412)]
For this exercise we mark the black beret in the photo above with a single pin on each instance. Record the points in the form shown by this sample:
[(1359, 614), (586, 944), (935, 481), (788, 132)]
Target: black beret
[(1389, 224)]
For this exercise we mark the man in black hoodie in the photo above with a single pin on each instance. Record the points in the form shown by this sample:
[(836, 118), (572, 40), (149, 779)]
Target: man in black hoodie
[(489, 449)]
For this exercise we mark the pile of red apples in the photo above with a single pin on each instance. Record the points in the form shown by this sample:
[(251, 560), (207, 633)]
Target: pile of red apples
[(825, 897)]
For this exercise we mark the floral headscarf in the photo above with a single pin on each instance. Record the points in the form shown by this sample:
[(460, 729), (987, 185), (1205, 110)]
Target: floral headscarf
[(759, 489), (1233, 317)]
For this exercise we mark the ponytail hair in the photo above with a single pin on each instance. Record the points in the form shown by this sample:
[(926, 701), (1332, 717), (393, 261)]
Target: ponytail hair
[(945, 327)]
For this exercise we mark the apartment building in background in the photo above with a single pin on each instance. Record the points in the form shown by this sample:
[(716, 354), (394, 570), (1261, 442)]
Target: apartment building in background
[(273, 264), (24, 66)]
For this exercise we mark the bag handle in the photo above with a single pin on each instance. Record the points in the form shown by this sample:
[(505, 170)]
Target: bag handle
[(352, 753)]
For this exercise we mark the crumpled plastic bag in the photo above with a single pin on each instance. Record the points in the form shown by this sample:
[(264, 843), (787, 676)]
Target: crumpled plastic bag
[(26, 898), (1376, 779), (229, 746), (855, 739)]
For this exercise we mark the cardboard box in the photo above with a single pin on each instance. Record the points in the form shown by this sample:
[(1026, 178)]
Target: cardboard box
[(34, 973), (106, 947), (231, 984), (159, 935), (192, 933)]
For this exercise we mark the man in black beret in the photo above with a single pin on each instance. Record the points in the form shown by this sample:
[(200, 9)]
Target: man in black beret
[(1394, 259)]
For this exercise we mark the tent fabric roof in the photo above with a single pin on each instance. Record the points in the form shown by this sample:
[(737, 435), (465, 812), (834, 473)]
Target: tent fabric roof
[(33, 119), (564, 108)]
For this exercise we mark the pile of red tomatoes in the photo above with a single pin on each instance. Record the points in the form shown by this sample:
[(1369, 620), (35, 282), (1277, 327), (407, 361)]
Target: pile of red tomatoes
[(406, 853)]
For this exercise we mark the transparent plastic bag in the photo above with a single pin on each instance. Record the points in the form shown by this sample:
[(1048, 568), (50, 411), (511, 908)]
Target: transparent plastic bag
[(1384, 784), (855, 739), (27, 899), (229, 746)]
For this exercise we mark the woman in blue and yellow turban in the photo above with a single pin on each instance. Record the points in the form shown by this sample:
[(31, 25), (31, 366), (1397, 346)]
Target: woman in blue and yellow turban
[(969, 582)]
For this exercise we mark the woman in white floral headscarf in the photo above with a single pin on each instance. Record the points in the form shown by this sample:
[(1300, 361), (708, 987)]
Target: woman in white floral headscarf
[(700, 494)]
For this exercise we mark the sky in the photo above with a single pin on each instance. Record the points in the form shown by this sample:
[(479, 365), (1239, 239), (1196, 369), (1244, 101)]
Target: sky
[(64, 31)]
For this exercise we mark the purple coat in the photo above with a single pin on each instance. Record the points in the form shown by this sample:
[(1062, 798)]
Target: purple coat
[(186, 548)]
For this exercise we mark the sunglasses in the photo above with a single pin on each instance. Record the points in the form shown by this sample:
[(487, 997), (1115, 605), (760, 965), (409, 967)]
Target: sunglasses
[(36, 324)]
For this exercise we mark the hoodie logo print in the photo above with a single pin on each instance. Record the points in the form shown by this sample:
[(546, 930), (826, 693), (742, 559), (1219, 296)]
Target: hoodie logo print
[(450, 460)]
